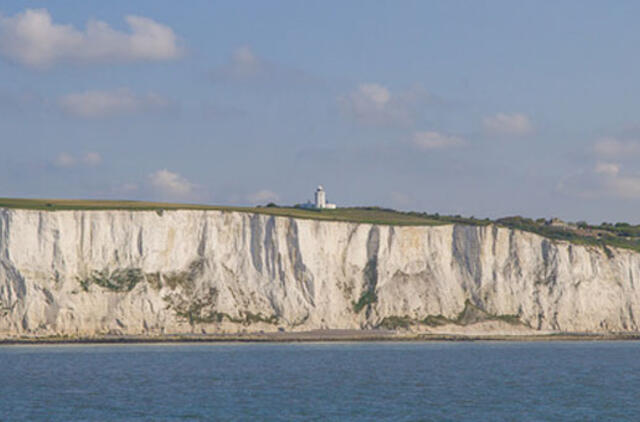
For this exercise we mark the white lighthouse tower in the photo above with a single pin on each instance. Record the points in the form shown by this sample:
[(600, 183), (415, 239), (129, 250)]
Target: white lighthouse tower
[(321, 197), (320, 201)]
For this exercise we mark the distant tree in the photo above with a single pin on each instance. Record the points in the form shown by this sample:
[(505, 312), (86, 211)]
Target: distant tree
[(272, 205)]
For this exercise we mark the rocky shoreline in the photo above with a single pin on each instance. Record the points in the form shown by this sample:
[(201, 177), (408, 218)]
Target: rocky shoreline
[(316, 336)]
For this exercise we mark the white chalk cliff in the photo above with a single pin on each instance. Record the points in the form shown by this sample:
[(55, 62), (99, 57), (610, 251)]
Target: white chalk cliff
[(90, 273)]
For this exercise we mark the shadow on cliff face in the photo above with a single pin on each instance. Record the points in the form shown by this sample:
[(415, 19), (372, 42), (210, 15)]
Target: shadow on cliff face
[(304, 277), (467, 252), (370, 274)]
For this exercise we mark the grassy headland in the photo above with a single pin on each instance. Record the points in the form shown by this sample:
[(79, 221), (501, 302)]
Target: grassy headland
[(605, 235), (372, 215)]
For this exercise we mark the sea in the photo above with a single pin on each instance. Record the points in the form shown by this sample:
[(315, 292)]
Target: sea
[(431, 381)]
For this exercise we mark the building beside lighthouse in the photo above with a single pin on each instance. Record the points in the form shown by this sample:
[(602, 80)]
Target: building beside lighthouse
[(320, 200)]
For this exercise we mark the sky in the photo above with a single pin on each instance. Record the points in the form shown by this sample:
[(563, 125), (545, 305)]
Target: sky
[(477, 108)]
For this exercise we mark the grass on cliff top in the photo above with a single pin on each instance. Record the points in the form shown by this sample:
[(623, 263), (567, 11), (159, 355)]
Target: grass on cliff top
[(605, 235), (371, 215)]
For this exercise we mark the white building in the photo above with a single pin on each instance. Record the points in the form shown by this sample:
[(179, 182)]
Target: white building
[(321, 197), (320, 201)]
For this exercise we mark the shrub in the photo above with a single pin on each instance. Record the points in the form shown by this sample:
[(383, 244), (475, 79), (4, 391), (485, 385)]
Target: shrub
[(368, 297), (118, 280)]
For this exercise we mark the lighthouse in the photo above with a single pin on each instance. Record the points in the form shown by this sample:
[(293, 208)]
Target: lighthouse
[(321, 197), (320, 201)]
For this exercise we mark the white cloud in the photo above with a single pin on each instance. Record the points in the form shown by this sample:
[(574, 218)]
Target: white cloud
[(171, 184), (262, 196), (92, 158), (375, 104), (127, 188), (64, 160), (92, 104), (244, 63), (625, 187), (612, 175), (604, 180), (246, 67), (31, 38), (609, 169), (435, 140), (515, 124), (610, 147), (372, 96), (123, 190)]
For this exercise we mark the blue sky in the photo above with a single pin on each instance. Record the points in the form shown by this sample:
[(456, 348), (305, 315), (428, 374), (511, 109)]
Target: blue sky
[(477, 108)]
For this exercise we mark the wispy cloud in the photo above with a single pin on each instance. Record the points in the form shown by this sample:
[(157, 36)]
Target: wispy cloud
[(67, 160), (610, 147), (246, 67), (92, 158), (64, 160), (125, 189), (513, 124), (263, 196), (94, 104), (612, 175), (604, 180), (170, 184), (31, 38), (375, 104), (434, 140), (608, 169)]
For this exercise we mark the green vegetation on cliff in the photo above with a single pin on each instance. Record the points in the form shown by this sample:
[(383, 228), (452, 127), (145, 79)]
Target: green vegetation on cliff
[(605, 235), (371, 215), (118, 280), (470, 314)]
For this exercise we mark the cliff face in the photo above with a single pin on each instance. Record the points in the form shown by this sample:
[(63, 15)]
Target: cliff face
[(85, 273)]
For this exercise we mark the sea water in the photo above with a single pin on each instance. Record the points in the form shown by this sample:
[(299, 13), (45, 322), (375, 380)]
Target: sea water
[(484, 381)]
